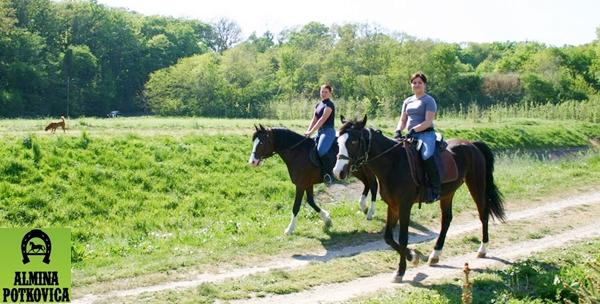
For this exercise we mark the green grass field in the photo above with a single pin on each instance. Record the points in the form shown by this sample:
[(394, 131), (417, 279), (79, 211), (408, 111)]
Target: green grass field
[(144, 195)]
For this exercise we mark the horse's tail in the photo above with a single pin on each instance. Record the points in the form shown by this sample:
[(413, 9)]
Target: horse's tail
[(493, 196)]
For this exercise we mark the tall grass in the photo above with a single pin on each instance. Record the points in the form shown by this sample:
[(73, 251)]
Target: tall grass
[(588, 111)]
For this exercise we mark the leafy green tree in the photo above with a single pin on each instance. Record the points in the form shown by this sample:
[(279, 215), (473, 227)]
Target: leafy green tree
[(80, 69), (312, 35), (7, 18), (263, 43), (538, 90)]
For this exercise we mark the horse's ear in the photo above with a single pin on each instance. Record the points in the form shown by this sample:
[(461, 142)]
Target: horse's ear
[(262, 128), (363, 123), (343, 119), (255, 127)]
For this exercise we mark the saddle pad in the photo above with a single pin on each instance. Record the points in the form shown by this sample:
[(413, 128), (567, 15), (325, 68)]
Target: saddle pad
[(448, 174)]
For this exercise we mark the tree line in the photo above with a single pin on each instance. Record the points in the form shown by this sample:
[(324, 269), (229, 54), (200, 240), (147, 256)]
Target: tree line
[(369, 69), (82, 58)]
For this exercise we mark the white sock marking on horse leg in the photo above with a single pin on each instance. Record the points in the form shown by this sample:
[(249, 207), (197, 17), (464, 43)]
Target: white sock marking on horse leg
[(482, 251), (371, 212), (415, 258), (292, 226), (363, 203), (325, 217), (434, 257)]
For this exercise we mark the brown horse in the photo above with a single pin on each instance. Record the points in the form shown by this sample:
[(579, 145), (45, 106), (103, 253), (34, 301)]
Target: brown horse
[(294, 149), (388, 160)]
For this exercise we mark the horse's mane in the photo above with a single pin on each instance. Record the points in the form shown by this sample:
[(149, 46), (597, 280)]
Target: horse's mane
[(350, 124), (287, 138)]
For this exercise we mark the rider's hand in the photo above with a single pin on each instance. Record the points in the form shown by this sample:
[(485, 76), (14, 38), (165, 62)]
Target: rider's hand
[(307, 133), (398, 134), (411, 133)]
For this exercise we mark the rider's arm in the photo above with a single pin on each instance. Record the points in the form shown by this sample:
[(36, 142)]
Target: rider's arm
[(402, 122), (326, 113), (312, 122)]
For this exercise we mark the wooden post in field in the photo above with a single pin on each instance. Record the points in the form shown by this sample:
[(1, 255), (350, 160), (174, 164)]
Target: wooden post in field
[(467, 293)]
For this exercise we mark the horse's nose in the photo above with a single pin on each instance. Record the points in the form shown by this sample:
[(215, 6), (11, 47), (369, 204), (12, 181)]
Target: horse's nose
[(340, 174)]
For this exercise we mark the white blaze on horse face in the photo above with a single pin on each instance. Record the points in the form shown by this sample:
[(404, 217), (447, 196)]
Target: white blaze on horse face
[(253, 161), (340, 163)]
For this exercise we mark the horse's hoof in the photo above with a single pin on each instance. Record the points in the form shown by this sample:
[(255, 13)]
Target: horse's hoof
[(288, 232), (397, 279), (481, 255), (433, 261), (414, 262), (416, 256)]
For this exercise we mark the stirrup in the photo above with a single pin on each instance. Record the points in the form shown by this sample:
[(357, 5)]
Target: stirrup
[(327, 179), (432, 198)]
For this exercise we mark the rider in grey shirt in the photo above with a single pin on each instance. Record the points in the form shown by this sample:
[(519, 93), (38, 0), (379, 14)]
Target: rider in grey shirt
[(415, 109), (418, 112)]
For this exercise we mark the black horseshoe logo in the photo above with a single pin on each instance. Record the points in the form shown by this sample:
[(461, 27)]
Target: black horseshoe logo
[(36, 249)]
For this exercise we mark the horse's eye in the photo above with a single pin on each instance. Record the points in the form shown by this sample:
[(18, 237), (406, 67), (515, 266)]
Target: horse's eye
[(354, 142)]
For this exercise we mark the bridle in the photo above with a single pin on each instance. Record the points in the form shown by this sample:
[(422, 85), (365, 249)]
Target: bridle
[(364, 144)]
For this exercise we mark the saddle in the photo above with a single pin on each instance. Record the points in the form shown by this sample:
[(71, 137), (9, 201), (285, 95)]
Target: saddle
[(330, 157), (444, 160)]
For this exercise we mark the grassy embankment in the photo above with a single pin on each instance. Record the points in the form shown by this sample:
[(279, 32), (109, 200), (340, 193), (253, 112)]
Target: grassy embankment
[(144, 195)]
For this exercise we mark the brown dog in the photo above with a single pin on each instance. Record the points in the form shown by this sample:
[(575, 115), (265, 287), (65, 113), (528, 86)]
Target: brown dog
[(54, 125)]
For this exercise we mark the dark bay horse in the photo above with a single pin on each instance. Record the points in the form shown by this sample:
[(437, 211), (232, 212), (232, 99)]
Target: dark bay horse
[(388, 160), (294, 149)]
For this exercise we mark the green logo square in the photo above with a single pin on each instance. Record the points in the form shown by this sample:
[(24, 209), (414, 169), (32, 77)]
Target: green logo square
[(35, 265)]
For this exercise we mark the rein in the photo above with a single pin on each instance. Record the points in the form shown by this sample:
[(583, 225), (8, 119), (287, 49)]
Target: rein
[(296, 144), (364, 159)]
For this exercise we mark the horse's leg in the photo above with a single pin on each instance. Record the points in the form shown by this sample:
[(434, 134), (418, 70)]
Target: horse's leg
[(476, 184), (446, 206), (362, 202), (388, 234), (297, 201), (363, 198), (322, 212), (405, 253), (373, 185)]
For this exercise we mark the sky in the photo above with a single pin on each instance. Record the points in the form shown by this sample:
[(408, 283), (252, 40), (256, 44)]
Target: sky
[(554, 22)]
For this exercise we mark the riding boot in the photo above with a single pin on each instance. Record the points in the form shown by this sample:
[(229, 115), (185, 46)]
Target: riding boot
[(434, 179), (326, 168)]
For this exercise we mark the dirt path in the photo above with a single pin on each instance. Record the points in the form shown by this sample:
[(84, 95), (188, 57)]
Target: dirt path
[(424, 274), (297, 261)]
